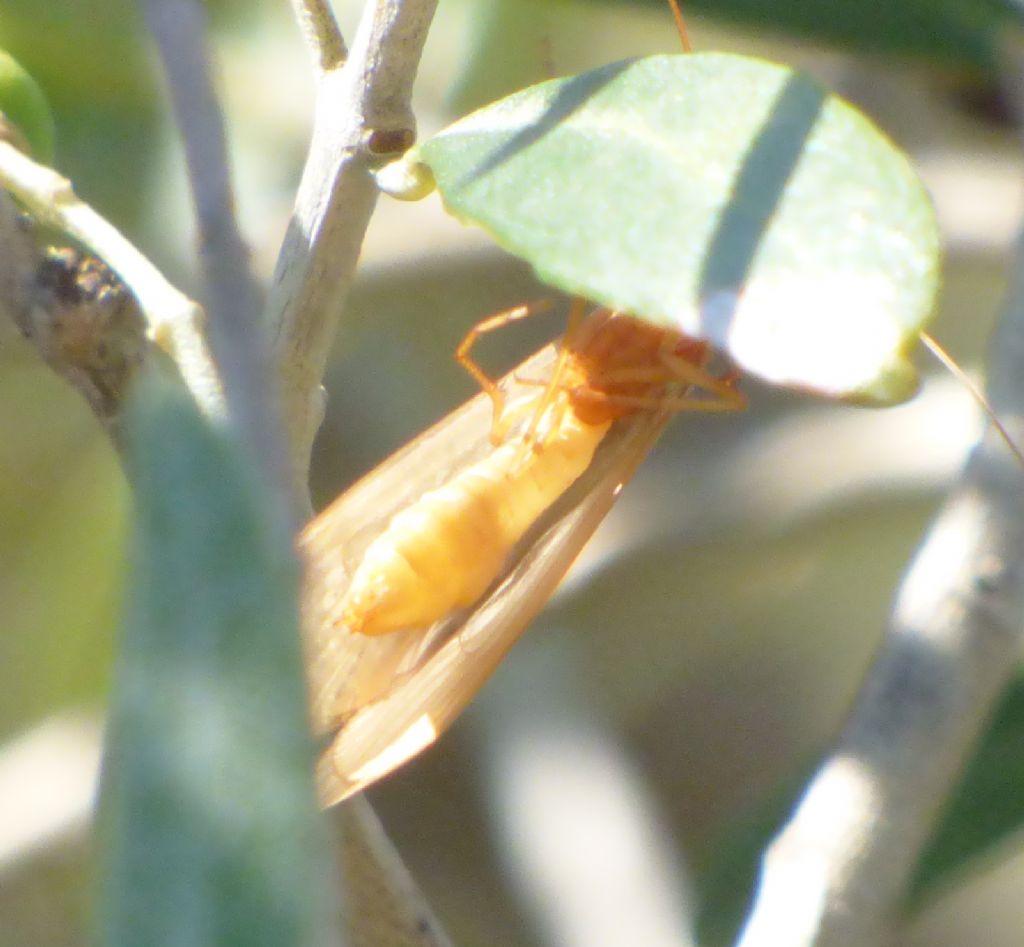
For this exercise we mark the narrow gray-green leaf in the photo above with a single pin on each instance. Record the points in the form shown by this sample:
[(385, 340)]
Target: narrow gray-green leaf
[(728, 197), (210, 832)]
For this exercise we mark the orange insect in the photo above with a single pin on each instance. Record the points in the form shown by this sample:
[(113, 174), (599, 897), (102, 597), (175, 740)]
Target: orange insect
[(442, 552), (422, 576), (461, 567)]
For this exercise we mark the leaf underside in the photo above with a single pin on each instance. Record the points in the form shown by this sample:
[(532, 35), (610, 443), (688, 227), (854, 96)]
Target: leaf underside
[(730, 198)]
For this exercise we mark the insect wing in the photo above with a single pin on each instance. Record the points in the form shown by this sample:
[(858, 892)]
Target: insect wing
[(347, 671), (390, 696)]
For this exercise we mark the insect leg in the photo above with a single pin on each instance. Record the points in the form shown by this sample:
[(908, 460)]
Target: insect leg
[(677, 403), (679, 372), (576, 312), (723, 387), (491, 389)]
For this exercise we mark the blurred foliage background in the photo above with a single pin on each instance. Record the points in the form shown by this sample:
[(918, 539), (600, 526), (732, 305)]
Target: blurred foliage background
[(721, 620)]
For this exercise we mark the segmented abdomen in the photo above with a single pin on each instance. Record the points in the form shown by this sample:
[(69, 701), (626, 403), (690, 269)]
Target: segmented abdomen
[(443, 551)]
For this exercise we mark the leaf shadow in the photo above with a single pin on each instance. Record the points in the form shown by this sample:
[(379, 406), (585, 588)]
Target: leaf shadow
[(571, 96), (757, 193)]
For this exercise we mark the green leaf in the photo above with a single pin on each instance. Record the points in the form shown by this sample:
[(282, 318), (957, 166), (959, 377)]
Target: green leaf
[(725, 887), (208, 821), (727, 197), (987, 808), (23, 104)]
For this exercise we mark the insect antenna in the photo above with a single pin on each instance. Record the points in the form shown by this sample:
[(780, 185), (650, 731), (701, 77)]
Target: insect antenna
[(684, 35), (947, 362)]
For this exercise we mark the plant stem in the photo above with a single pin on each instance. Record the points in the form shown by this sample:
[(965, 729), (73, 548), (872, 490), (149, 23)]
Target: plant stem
[(359, 105), (321, 32), (175, 323), (839, 869), (234, 302)]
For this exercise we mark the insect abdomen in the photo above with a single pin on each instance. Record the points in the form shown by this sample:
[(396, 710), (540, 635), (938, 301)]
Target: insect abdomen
[(443, 551)]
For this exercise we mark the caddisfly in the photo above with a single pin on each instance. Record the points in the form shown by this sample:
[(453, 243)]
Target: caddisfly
[(408, 610), (422, 576)]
